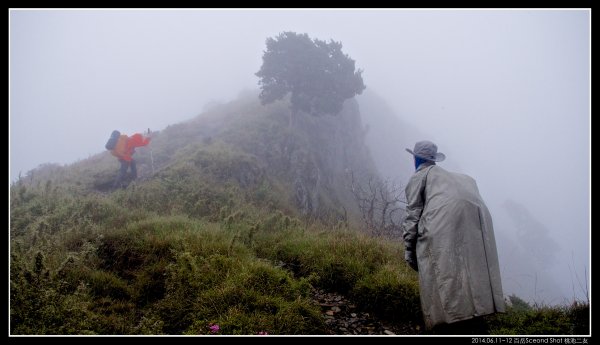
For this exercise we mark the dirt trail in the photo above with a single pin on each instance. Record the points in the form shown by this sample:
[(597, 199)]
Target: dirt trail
[(343, 317)]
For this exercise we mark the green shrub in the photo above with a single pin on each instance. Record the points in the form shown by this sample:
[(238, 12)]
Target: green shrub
[(558, 320), (391, 291), (37, 306)]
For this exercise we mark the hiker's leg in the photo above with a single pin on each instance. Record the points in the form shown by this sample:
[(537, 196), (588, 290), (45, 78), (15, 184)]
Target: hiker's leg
[(476, 325), (122, 173), (133, 169), (443, 329)]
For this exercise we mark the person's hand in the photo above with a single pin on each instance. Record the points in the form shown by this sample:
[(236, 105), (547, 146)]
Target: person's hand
[(411, 259), (150, 134)]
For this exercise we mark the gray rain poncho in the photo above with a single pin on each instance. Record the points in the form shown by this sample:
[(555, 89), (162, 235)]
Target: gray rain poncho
[(451, 228)]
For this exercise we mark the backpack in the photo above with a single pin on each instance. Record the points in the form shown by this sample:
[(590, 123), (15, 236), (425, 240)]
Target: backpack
[(112, 141), (120, 149)]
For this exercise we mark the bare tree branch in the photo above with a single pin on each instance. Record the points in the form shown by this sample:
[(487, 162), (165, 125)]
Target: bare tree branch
[(379, 204)]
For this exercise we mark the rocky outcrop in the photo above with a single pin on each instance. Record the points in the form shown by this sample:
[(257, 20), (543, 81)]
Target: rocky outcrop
[(323, 150)]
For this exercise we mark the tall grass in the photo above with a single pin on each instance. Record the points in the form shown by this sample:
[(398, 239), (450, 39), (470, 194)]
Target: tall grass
[(113, 264), (212, 237), (104, 264)]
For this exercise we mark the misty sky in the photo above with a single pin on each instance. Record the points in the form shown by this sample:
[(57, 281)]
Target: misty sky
[(504, 93)]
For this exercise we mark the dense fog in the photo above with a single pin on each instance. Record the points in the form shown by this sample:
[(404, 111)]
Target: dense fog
[(505, 94)]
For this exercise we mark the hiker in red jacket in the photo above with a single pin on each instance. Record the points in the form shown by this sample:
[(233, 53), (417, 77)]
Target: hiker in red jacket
[(123, 150)]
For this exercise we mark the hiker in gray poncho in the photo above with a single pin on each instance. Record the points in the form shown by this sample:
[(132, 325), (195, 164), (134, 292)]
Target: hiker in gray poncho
[(449, 240)]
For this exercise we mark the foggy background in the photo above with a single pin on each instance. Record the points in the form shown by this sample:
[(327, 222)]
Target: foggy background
[(505, 94)]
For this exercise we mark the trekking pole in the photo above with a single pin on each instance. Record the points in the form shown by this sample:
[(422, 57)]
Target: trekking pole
[(152, 161), (151, 157)]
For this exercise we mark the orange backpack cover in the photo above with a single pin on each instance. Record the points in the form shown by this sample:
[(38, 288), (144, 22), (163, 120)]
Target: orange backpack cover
[(120, 148)]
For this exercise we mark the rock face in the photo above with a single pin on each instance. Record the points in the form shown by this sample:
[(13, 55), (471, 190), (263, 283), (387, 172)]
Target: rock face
[(323, 151), (312, 155)]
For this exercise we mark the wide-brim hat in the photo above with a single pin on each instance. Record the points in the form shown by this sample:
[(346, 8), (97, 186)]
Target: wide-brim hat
[(427, 150)]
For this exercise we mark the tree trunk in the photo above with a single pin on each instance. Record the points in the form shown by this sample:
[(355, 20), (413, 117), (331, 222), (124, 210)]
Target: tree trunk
[(289, 146), (293, 115)]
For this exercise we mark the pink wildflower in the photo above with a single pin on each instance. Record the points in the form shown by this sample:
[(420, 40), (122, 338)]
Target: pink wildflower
[(263, 333), (214, 328)]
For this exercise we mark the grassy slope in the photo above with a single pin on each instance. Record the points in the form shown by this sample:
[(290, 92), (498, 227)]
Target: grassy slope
[(90, 264), (212, 237)]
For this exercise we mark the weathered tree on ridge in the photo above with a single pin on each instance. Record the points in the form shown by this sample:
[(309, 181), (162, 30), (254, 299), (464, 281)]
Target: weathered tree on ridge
[(317, 74)]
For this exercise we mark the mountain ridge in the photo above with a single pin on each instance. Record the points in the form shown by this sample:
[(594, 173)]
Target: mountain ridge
[(236, 220)]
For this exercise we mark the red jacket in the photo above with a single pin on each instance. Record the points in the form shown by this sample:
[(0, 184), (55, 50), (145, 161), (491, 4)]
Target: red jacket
[(126, 146)]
